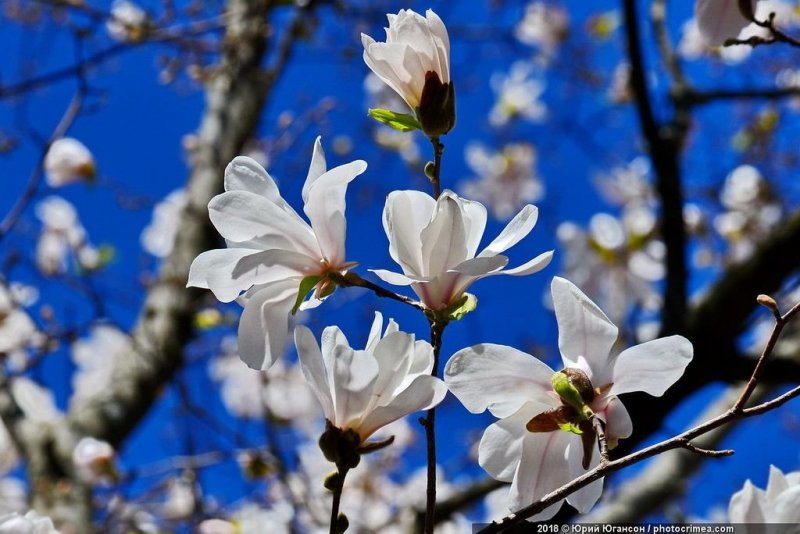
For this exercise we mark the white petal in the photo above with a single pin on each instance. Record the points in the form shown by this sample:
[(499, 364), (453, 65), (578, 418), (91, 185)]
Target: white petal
[(396, 279), (264, 325), (786, 508), (444, 240), (325, 209), (442, 40), (583, 330), (583, 499), (219, 261), (242, 216), (354, 373), (746, 505), (618, 421), (375, 332), (405, 215), (499, 378), (317, 168), (776, 484), (480, 266), (501, 445), (531, 266), (519, 227), (398, 66), (263, 267), (423, 393), (246, 174), (543, 468), (651, 367), (719, 20), (313, 368), (394, 354)]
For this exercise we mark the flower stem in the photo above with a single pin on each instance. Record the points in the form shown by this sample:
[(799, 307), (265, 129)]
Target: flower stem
[(429, 422), (438, 148), (337, 498)]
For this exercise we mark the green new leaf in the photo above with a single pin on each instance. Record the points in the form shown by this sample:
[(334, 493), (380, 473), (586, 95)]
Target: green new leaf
[(459, 309), (570, 427), (306, 286), (399, 121)]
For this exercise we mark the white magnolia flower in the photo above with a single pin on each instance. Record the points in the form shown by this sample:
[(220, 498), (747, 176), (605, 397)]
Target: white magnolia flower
[(271, 249), (415, 46), (13, 496), (719, 20), (93, 460), (128, 22), (158, 237), (62, 234), (436, 244), (506, 180), (526, 447), (36, 402), (30, 523), (518, 95), (68, 160), (17, 329), (779, 503), (364, 390), (543, 25)]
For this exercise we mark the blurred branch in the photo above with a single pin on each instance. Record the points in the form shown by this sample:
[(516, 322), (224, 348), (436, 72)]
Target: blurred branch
[(235, 97), (664, 142)]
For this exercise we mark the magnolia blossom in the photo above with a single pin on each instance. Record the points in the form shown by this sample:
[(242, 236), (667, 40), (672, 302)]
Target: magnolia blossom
[(527, 447), (158, 237), (364, 390), (68, 160), (128, 22), (95, 357), (271, 249), (518, 95), (436, 242), (506, 180), (17, 329), (543, 25), (416, 47), (94, 460), (719, 20), (30, 523), (62, 234), (779, 503)]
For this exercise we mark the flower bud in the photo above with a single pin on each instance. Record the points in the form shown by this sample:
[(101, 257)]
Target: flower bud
[(340, 447), (575, 389), (437, 106)]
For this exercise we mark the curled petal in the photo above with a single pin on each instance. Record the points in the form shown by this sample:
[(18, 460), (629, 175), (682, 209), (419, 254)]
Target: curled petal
[(264, 325)]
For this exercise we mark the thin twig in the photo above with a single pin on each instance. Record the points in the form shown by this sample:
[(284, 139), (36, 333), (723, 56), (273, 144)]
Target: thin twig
[(429, 422), (352, 279), (689, 446)]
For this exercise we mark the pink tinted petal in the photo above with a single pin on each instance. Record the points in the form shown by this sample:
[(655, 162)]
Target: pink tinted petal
[(651, 367), (618, 421), (499, 378), (543, 468), (583, 330), (501, 445), (583, 499)]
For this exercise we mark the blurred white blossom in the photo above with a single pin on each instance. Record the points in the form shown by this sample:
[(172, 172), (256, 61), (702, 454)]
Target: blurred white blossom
[(30, 523), (543, 25), (36, 402), (779, 503), (517, 95), (17, 329), (95, 357), (94, 460), (61, 235), (506, 180), (158, 237), (128, 22), (68, 160)]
